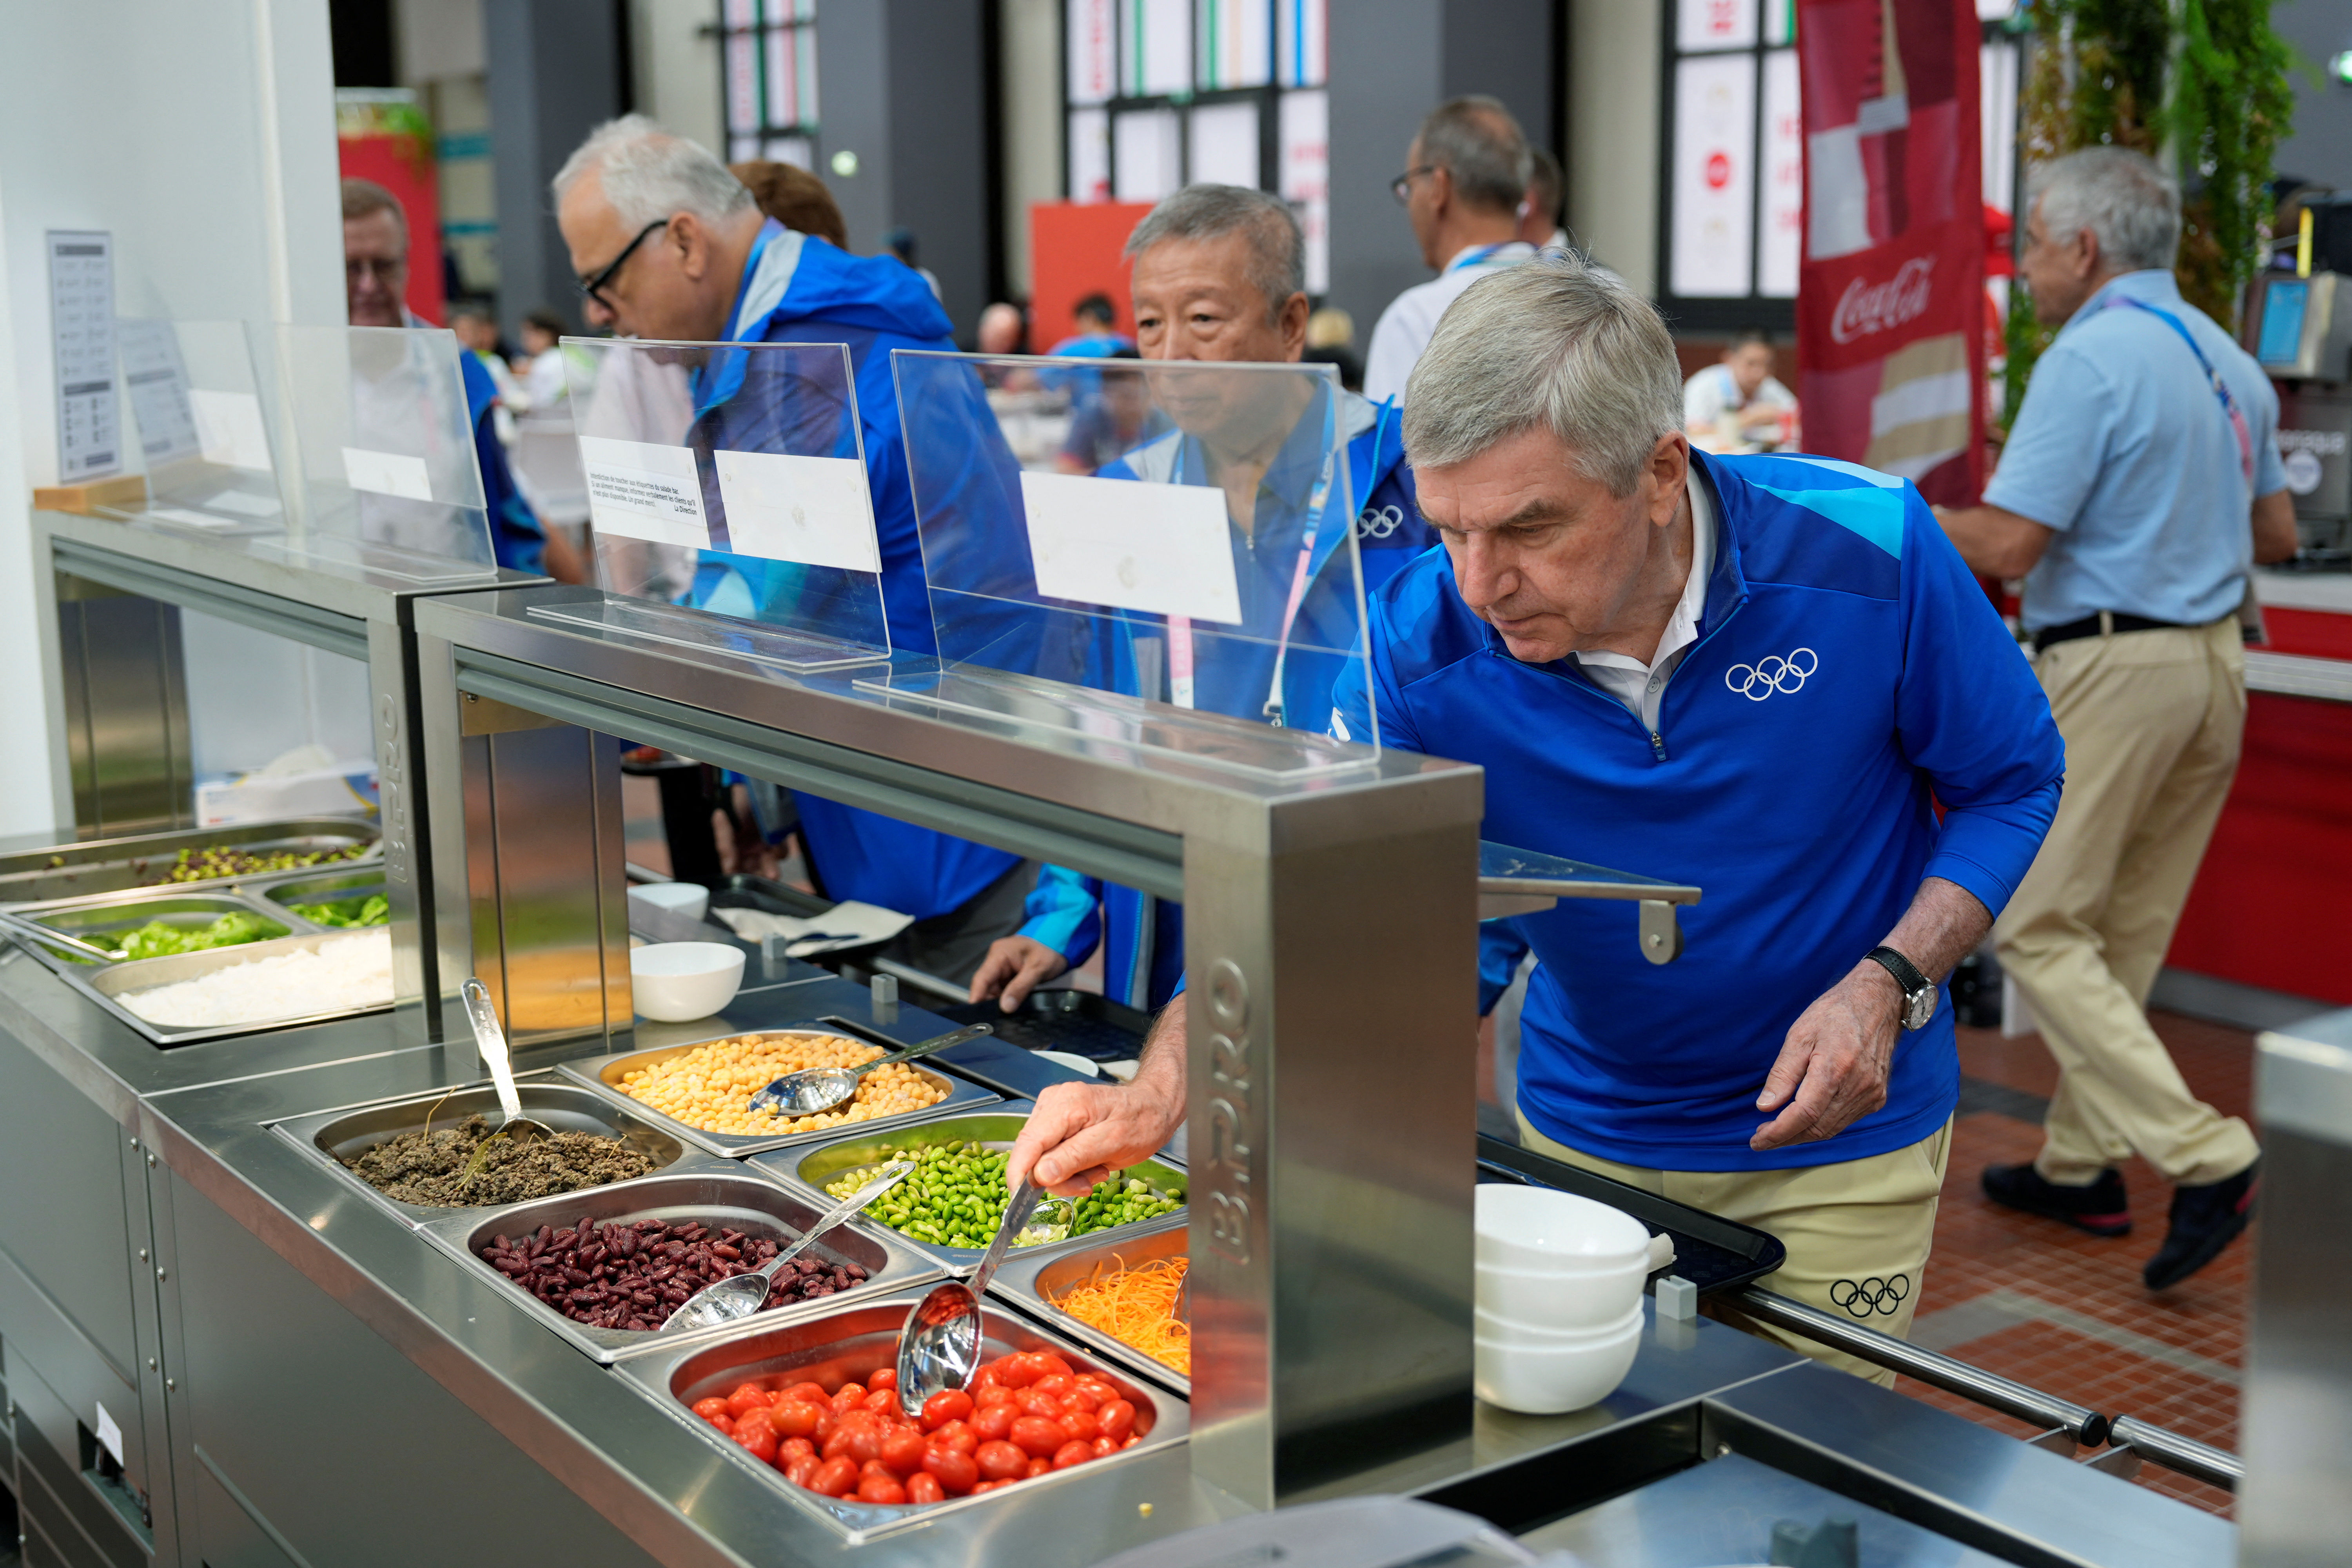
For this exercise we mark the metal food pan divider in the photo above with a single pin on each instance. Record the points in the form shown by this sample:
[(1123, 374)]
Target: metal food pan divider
[(831, 1348), (74, 870), (718, 1193), (1031, 1283), (1711, 1252)]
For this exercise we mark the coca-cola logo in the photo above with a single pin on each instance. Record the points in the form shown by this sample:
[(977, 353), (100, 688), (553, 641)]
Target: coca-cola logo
[(1867, 307)]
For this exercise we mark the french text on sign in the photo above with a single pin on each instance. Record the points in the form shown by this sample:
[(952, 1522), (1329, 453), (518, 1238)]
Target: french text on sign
[(813, 510), (642, 490), (1160, 549)]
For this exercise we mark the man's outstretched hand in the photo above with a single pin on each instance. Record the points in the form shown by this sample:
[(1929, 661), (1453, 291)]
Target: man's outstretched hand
[(1081, 1132)]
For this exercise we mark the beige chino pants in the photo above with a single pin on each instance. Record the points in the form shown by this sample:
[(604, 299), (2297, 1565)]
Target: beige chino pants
[(2153, 721)]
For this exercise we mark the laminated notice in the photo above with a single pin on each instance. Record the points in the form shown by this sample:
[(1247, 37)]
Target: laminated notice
[(1162, 549), (388, 473), (813, 510), (642, 490), (229, 428)]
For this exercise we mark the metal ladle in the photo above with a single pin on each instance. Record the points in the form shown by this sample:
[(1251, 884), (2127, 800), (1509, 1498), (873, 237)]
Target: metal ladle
[(741, 1294), (812, 1091), (34, 931), (939, 1349), (492, 1040)]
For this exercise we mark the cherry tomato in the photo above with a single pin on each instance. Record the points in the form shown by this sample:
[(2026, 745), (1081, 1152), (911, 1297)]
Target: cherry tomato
[(1039, 1466), (993, 1422), (1001, 1461), (848, 1396), (826, 1423), (1073, 1453), (1081, 1425), (795, 1418), (885, 1378), (1086, 1399), (876, 1467), (880, 1488), (1037, 1437), (753, 1421), (948, 1404), (903, 1449), (793, 1448), (986, 1486), (956, 1472), (1117, 1419), (865, 1443), (883, 1400), (799, 1471), (1046, 1363), (806, 1394), (724, 1422), (1055, 1383), (757, 1439), (714, 1406), (835, 1477), (747, 1396), (994, 1394), (1033, 1403), (984, 1378), (923, 1489), (956, 1436), (1015, 1372), (1104, 1445)]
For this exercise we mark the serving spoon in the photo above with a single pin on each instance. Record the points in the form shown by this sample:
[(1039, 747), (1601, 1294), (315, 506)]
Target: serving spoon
[(741, 1294), (939, 1349), (491, 1040), (812, 1091)]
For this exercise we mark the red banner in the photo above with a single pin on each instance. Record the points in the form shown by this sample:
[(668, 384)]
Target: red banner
[(1890, 295)]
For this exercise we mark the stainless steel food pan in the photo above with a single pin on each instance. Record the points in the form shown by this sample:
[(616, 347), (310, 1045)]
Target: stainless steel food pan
[(831, 1349), (317, 886), (1035, 1283), (71, 870), (604, 1074), (106, 919), (810, 1169), (106, 985), (717, 1195), (331, 1137)]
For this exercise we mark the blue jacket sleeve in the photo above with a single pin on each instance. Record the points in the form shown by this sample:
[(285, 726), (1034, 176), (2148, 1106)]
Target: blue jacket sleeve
[(1500, 948), (1969, 713), (1352, 719), (1064, 910)]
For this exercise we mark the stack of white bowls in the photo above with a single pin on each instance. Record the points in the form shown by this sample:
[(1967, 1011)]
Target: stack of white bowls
[(1559, 1298)]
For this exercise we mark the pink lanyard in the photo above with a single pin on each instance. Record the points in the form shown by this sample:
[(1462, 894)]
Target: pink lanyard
[(1179, 645)]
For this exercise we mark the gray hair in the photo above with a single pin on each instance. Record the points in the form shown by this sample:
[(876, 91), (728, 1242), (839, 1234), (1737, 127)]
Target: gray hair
[(650, 173), (1478, 142), (2120, 196), (1278, 267), (1554, 343)]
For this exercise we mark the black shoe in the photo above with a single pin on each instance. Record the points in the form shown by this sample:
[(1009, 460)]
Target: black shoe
[(2205, 1219), (2100, 1208)]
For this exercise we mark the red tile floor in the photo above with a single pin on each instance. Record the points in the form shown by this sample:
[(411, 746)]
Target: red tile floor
[(2065, 1312)]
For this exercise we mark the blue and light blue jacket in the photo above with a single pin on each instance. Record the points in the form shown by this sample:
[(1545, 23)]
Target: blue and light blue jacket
[(1849, 677), (1144, 936), (799, 288)]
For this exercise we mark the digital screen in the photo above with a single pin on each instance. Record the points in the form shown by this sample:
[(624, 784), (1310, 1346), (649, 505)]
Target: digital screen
[(2284, 303)]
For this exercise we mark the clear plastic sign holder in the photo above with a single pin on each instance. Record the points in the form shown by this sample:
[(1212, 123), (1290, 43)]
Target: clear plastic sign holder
[(202, 429), (384, 473), (1177, 577), (728, 490)]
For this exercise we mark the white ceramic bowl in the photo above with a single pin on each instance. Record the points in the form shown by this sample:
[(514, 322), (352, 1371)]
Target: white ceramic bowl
[(676, 982), (691, 900), (1550, 1232), (1503, 1330), (1563, 1301), (1552, 1382)]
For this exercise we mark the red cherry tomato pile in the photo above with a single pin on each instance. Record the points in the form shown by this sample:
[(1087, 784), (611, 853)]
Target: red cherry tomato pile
[(1026, 1414)]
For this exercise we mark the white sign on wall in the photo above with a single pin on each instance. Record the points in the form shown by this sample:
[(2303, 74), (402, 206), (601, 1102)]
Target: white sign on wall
[(1783, 167), (1714, 175), (81, 332), (1714, 25)]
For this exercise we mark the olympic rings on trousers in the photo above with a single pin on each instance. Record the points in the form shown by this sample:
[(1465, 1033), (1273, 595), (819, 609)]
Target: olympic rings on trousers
[(1379, 523), (1773, 673), (1884, 1297)]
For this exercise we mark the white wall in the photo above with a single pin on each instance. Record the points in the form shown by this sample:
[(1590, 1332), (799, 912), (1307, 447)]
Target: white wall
[(1613, 136), (674, 68), (201, 134), (1031, 92)]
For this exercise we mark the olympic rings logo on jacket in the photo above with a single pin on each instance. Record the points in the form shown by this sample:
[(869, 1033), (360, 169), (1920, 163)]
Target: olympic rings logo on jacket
[(1773, 673)]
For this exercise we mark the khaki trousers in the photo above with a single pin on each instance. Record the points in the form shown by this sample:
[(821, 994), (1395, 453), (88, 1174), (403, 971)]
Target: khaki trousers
[(2153, 721), (1858, 1233)]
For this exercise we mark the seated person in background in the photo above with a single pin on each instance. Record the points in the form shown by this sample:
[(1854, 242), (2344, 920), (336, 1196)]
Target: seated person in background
[(1737, 400), (476, 326), (1098, 335), (1331, 340), (1004, 330), (1115, 421), (544, 386), (793, 197)]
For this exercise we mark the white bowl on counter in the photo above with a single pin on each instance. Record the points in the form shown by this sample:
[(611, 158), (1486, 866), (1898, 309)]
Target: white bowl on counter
[(691, 900), (1503, 1330), (1554, 1380), (1579, 1302), (678, 981), (1548, 1232)]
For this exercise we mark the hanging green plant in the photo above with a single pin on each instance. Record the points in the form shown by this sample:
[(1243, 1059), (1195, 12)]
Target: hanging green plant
[(2231, 106)]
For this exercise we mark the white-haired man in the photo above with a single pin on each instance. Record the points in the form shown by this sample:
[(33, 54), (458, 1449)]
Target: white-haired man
[(2142, 479), (670, 244), (1759, 675)]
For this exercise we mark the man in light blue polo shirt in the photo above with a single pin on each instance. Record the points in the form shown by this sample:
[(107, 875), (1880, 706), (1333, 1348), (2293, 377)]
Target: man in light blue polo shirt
[(2141, 482)]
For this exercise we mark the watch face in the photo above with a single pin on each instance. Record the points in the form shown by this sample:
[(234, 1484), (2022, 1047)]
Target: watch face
[(1918, 1008)]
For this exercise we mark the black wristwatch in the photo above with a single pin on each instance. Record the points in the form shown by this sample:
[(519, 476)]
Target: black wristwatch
[(1919, 991)]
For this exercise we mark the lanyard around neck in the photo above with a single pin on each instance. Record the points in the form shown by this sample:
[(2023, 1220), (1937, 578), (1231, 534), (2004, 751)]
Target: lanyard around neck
[(2230, 409)]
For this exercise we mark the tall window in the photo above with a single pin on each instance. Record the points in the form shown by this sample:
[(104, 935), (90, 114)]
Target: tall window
[(768, 68), (1159, 94)]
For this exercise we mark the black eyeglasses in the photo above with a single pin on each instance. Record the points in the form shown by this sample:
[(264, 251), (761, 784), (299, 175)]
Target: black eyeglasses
[(593, 288), (1401, 186)]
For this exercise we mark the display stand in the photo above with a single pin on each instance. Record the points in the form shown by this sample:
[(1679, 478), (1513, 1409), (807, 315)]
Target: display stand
[(203, 432)]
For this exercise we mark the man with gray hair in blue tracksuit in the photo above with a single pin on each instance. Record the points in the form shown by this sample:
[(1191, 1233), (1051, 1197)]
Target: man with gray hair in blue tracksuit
[(1773, 677)]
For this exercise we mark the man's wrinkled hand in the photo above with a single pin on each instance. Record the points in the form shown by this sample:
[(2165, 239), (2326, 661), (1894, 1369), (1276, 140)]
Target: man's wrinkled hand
[(1833, 1068), (1081, 1132), (1015, 966)]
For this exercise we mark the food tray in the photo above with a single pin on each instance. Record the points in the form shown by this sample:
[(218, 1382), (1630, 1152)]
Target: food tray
[(317, 886), (810, 1170), (603, 1074), (1712, 1253), (1030, 1282), (73, 871), (830, 1348), (104, 983), (718, 1193), (112, 915), (1080, 1023), (353, 1128)]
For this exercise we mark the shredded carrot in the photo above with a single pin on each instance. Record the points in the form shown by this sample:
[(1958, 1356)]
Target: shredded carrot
[(1137, 1307)]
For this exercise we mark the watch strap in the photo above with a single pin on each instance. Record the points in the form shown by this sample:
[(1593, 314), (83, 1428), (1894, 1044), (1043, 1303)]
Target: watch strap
[(1906, 973)]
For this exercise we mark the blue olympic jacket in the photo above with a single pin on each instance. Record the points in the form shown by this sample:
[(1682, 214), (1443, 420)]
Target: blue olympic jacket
[(799, 289), (1849, 676), (516, 537), (1144, 957)]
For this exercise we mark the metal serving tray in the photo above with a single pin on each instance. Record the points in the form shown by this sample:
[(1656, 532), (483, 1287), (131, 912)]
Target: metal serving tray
[(810, 1170), (104, 985), (71, 870), (109, 915), (1032, 1283), (603, 1074), (329, 1137), (332, 885), (831, 1349), (715, 1193)]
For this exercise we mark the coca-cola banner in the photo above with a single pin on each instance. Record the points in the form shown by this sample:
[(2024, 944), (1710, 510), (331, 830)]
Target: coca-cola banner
[(1890, 296)]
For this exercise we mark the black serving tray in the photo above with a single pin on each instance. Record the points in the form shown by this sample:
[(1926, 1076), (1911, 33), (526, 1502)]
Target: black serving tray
[(1082, 1023), (1713, 1252)]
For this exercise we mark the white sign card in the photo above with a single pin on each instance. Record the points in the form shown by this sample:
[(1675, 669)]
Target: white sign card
[(157, 379), (229, 430), (813, 510), (388, 473), (1164, 550), (244, 505), (642, 490), (109, 1436), (81, 335), (188, 519)]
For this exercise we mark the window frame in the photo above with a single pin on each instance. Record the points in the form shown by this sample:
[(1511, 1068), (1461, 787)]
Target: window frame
[(766, 140)]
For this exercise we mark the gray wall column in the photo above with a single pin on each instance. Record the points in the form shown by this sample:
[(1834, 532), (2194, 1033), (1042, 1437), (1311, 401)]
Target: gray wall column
[(554, 75)]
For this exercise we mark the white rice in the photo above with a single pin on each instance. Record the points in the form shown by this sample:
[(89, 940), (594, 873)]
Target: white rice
[(343, 974)]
